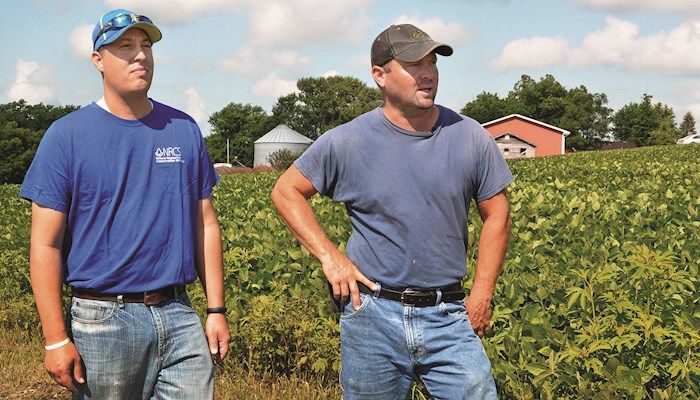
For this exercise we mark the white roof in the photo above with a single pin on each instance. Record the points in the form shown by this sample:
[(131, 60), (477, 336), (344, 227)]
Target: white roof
[(515, 136), (284, 134), (534, 121)]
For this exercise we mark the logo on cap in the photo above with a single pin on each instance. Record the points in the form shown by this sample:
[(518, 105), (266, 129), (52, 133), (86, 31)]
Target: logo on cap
[(416, 34)]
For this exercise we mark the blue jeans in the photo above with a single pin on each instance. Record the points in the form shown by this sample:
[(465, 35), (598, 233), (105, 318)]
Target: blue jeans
[(384, 345), (131, 351)]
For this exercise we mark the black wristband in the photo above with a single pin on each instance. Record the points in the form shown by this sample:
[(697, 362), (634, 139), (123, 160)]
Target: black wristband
[(216, 310)]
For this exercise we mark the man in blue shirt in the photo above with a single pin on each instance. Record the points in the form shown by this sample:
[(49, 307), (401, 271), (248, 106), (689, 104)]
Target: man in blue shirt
[(122, 212), (407, 172)]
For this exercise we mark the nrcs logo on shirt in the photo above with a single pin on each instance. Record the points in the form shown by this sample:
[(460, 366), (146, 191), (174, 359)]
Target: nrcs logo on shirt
[(168, 155)]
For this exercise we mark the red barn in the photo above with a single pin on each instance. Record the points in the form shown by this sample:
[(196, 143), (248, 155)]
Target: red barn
[(518, 136)]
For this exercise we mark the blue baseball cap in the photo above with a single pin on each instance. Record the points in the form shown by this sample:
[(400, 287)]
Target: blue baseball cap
[(114, 23)]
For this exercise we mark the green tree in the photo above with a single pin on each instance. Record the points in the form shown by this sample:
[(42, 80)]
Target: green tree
[(645, 123), (324, 103), (21, 128), (542, 100), (282, 159), (584, 114), (34, 117), (17, 146), (241, 124), (587, 117), (687, 126), (487, 107), (664, 134)]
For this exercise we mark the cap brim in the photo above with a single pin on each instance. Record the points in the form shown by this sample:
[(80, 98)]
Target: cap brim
[(422, 49), (151, 30)]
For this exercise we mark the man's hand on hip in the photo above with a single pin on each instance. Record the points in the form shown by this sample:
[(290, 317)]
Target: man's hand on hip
[(64, 366), (343, 276), (479, 312)]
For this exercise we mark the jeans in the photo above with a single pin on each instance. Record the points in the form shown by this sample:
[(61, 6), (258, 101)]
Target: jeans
[(132, 351), (384, 345)]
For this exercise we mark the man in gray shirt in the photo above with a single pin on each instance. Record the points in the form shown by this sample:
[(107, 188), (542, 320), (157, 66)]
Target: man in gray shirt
[(406, 172)]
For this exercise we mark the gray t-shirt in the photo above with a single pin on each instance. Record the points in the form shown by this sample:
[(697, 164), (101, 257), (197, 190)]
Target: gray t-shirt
[(407, 193)]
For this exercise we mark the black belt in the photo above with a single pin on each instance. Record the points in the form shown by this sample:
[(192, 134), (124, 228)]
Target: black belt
[(418, 297), (150, 298)]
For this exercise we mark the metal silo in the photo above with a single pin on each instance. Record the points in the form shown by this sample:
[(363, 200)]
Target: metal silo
[(281, 137)]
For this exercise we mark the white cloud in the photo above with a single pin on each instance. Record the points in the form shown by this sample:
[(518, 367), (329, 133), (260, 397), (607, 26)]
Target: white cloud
[(680, 6), (289, 58), (176, 12), (607, 46), (534, 52), (618, 44), (33, 83), (447, 32), (275, 30), (677, 51), (59, 7), (273, 86), (330, 73), (162, 58), (80, 42), (309, 22), (359, 61), (273, 22), (195, 104), (195, 65), (252, 61)]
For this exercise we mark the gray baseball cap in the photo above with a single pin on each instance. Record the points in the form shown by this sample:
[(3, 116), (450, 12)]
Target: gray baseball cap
[(407, 43)]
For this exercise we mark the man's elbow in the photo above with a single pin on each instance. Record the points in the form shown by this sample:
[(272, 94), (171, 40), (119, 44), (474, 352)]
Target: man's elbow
[(499, 222), (276, 195)]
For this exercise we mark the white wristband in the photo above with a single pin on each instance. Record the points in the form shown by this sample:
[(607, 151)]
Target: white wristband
[(57, 345)]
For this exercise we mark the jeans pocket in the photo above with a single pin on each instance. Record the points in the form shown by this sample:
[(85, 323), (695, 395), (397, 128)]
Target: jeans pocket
[(184, 299), (348, 310), (92, 311), (453, 308)]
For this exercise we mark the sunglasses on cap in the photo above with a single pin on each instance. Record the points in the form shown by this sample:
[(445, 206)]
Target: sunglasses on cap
[(121, 21)]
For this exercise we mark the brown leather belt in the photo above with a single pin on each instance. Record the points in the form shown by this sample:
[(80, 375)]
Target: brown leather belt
[(418, 297), (150, 298)]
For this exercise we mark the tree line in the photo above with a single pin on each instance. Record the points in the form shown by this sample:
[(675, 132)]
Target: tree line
[(325, 102), (21, 128), (319, 105), (586, 115)]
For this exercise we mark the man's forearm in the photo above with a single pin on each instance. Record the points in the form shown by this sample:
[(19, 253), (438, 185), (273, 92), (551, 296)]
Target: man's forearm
[(493, 244), (47, 284), (210, 264), (299, 217), (290, 196)]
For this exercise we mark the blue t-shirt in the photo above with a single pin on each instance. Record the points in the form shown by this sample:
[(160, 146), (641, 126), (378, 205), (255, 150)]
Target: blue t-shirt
[(130, 190), (407, 193)]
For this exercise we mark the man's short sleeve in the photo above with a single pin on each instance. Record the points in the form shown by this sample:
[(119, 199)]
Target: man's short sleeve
[(206, 174), (47, 181), (493, 174), (320, 165)]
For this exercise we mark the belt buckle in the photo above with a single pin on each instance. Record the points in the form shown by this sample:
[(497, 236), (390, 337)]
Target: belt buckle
[(153, 298), (409, 293)]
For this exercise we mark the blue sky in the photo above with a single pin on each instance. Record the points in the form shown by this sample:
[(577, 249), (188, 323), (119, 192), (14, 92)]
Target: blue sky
[(215, 52)]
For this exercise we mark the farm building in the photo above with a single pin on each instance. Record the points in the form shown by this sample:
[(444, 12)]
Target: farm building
[(281, 137), (519, 136)]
